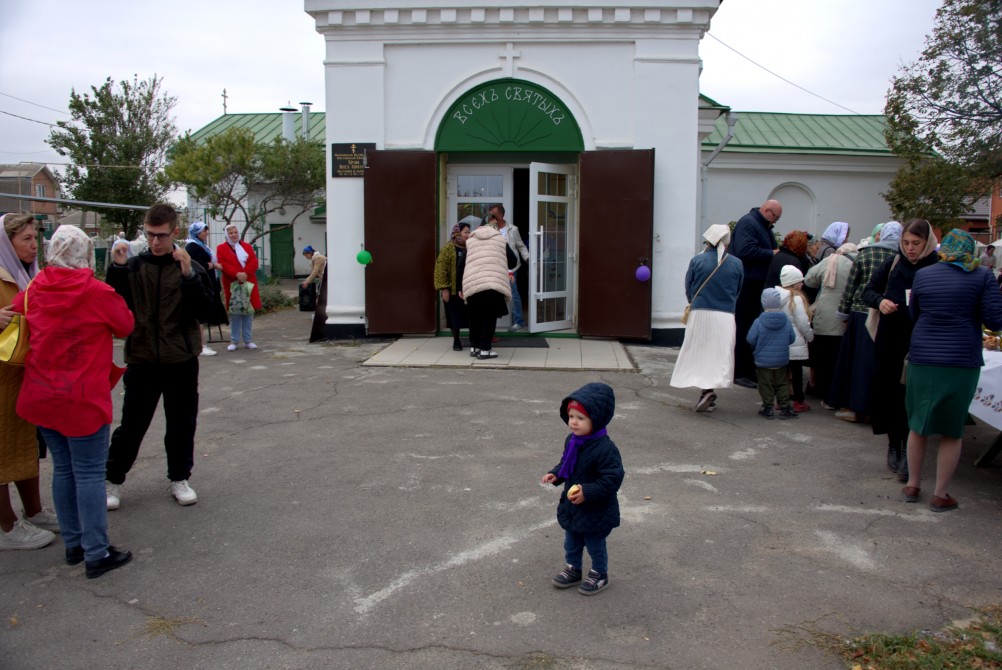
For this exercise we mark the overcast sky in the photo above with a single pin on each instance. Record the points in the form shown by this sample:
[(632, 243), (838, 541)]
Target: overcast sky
[(266, 53)]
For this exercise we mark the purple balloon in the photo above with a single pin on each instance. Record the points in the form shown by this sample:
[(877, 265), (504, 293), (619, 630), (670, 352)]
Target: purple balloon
[(643, 273)]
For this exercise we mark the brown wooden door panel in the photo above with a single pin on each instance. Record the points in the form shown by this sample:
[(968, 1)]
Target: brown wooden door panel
[(400, 217), (616, 232)]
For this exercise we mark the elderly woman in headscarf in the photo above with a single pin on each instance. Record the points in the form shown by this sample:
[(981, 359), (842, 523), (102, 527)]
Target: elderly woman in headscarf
[(949, 302), (69, 374), (239, 264), (851, 388), (888, 291), (829, 278), (449, 268), (199, 250), (834, 237), (18, 445), (874, 235), (712, 284)]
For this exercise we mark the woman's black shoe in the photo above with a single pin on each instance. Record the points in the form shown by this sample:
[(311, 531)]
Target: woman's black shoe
[(74, 555), (114, 559), (457, 346), (893, 457)]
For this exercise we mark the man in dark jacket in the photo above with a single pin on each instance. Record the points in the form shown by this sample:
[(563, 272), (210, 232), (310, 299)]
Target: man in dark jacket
[(168, 294), (754, 245)]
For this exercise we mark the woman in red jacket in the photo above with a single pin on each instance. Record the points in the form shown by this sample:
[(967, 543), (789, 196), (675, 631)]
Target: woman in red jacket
[(68, 377), (239, 265)]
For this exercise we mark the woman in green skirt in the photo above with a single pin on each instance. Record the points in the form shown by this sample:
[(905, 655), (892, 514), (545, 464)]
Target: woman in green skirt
[(949, 302)]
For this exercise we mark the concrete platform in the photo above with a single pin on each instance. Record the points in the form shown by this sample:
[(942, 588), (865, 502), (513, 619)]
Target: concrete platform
[(562, 353)]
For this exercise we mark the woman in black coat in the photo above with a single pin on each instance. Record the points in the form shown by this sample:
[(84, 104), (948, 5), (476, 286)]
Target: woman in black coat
[(198, 235), (889, 290), (793, 251)]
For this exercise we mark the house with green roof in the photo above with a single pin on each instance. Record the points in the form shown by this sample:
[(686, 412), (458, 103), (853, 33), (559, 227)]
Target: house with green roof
[(280, 252), (822, 167)]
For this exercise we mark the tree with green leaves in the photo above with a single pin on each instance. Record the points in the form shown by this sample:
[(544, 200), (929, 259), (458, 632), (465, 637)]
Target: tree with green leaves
[(944, 115), (117, 139), (242, 180)]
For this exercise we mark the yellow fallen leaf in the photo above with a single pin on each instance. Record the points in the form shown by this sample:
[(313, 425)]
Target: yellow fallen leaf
[(647, 497), (13, 621), (708, 472)]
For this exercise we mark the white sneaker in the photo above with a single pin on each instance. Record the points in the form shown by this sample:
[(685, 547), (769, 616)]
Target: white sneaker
[(232, 347), (113, 492), (183, 494), (25, 536), (251, 345), (46, 520), (206, 351)]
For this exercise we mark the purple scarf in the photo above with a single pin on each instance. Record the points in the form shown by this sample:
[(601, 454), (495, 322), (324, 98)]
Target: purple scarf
[(570, 458)]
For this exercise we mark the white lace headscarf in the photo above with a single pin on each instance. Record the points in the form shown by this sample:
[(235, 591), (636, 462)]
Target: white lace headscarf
[(238, 248), (70, 248)]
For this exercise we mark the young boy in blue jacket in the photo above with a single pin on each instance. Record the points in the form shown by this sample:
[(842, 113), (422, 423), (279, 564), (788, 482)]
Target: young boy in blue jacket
[(770, 337), (591, 472)]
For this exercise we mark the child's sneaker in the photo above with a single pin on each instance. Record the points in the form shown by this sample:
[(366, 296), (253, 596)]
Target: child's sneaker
[(567, 577), (596, 582), (767, 413), (786, 413)]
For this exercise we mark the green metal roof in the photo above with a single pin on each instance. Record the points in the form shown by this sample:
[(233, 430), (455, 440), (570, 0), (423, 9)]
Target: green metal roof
[(774, 133), (265, 126)]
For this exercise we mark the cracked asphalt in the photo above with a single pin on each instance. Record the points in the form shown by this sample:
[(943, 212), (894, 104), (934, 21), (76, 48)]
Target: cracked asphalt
[(388, 518)]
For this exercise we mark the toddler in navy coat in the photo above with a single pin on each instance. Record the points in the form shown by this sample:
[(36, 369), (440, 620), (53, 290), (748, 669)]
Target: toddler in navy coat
[(591, 472), (770, 337)]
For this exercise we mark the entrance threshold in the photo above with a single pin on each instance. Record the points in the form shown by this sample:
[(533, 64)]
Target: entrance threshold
[(561, 353)]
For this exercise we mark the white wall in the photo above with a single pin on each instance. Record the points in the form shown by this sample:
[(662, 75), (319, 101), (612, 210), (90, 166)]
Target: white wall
[(838, 188)]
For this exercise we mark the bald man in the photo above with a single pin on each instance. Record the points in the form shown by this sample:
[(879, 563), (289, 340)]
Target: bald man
[(754, 245)]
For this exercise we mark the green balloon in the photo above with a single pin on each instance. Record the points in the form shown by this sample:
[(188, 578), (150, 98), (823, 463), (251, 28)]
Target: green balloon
[(363, 257)]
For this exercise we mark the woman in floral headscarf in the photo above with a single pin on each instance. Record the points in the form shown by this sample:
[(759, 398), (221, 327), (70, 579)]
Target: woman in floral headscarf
[(239, 265), (949, 302), (69, 374), (793, 251), (712, 284)]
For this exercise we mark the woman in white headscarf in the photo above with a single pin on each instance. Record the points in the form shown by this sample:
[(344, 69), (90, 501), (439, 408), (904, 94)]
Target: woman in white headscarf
[(712, 284), (239, 265), (69, 374), (18, 445)]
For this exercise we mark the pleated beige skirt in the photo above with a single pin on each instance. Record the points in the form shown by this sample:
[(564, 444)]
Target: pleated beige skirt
[(706, 359)]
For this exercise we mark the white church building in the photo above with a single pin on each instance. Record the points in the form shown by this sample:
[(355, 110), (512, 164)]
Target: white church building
[(585, 121)]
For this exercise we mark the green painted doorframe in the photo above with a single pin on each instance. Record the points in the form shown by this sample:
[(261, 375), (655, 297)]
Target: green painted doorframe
[(508, 115)]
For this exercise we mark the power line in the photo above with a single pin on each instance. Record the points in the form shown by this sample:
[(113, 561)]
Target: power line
[(27, 119), (778, 76), (51, 109)]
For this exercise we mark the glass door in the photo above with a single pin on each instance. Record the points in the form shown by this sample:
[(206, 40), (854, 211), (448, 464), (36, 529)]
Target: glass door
[(551, 201), (472, 191)]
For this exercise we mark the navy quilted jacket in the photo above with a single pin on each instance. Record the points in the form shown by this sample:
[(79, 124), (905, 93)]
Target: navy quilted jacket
[(599, 469), (948, 307)]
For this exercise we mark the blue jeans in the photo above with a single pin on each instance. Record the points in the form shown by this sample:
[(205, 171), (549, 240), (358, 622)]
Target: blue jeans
[(241, 323), (574, 546), (78, 489), (516, 305)]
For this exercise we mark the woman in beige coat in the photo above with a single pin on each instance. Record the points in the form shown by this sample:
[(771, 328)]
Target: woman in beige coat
[(18, 445), (486, 287)]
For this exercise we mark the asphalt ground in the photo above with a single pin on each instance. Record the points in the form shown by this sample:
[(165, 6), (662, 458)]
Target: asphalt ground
[(354, 517)]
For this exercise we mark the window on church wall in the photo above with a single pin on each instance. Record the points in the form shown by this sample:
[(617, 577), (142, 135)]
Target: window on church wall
[(39, 190)]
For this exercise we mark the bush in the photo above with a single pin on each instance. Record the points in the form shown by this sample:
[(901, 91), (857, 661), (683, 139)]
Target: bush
[(273, 299)]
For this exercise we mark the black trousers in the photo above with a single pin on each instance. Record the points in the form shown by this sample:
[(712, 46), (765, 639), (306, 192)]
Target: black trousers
[(144, 385), (747, 309), (483, 313)]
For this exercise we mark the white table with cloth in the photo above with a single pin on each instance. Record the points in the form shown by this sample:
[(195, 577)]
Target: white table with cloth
[(987, 403)]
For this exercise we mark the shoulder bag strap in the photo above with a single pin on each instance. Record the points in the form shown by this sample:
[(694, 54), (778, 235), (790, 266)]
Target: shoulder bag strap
[(695, 295)]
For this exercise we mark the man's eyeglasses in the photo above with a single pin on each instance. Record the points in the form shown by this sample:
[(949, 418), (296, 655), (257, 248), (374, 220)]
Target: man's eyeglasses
[(773, 212), (162, 237)]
